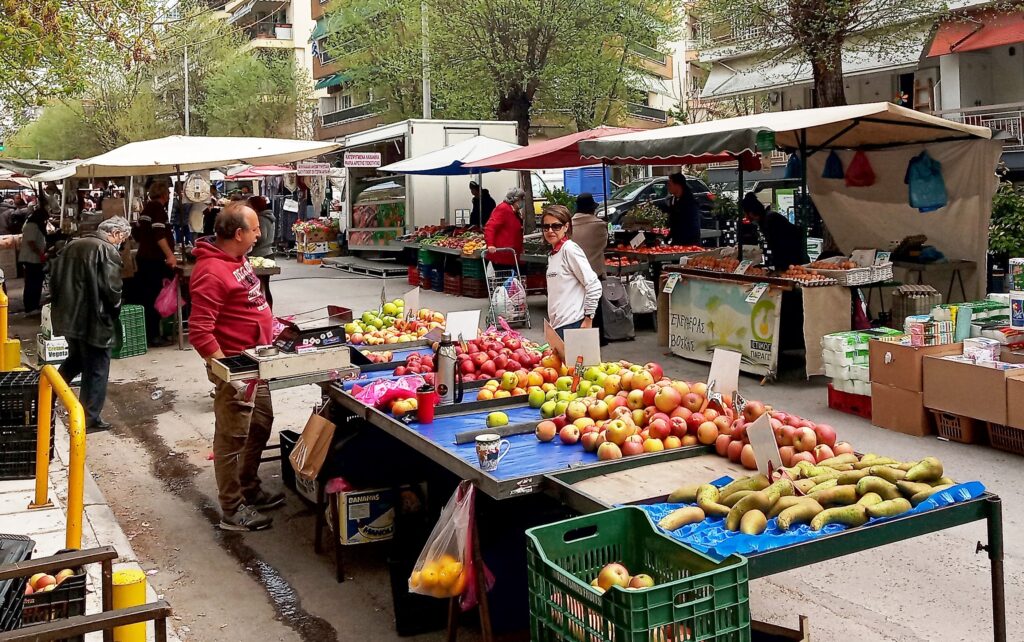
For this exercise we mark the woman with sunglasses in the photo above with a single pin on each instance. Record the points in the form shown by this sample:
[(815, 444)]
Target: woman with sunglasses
[(574, 289)]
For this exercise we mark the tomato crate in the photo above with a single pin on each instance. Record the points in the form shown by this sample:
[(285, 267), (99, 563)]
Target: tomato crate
[(13, 550), (694, 597), (849, 403), (474, 288), (956, 427), (453, 285), (426, 274), (1006, 438)]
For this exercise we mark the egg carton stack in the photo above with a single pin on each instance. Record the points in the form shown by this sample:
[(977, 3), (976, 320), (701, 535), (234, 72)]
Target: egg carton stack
[(846, 361)]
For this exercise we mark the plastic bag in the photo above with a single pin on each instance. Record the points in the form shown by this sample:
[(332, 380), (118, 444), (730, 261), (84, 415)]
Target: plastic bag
[(516, 295), (383, 391), (859, 173), (642, 297), (167, 301), (445, 567), (500, 303), (833, 166), (794, 166)]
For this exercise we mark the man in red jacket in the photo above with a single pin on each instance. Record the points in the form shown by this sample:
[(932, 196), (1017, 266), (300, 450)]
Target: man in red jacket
[(230, 314)]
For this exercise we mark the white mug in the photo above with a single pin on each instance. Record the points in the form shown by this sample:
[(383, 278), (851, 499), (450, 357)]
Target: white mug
[(488, 450)]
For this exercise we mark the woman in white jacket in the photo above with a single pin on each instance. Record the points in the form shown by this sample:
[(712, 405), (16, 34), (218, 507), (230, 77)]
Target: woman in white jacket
[(574, 289)]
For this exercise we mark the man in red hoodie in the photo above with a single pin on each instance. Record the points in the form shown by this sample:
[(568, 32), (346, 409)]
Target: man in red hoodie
[(230, 314)]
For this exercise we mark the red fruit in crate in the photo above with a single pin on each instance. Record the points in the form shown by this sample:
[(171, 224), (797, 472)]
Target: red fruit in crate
[(826, 434), (722, 445)]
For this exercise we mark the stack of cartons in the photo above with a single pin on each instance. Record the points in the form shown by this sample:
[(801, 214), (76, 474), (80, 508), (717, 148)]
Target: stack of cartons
[(898, 385)]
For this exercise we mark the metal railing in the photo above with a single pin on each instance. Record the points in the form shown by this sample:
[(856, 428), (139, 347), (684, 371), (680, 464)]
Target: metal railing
[(648, 52), (50, 380), (1008, 117), (350, 113), (647, 112)]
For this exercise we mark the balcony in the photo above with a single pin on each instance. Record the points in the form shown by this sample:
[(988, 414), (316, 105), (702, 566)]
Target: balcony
[(733, 35), (1007, 118), (645, 112), (351, 113), (651, 54), (652, 60)]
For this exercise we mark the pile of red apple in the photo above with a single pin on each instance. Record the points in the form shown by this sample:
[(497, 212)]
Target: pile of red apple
[(798, 439), (492, 355), (416, 363)]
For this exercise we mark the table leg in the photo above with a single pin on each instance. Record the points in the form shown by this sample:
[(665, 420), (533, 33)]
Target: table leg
[(995, 555), (960, 278), (453, 620)]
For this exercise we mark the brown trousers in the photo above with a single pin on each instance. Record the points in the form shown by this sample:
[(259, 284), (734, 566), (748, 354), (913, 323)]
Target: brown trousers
[(240, 434)]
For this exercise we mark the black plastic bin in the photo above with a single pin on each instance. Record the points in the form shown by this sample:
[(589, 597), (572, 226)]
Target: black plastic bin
[(65, 601), (13, 549), (19, 400), (287, 438)]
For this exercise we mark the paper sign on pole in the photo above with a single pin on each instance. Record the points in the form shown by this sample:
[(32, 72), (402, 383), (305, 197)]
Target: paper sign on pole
[(585, 342), (863, 258), (743, 266), (464, 325), (412, 303), (553, 340), (725, 371), (766, 451)]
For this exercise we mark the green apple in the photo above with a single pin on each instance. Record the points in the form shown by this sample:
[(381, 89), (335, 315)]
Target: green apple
[(390, 309), (564, 395), (368, 317), (352, 328), (509, 380), (592, 373), (601, 378), (551, 395), (547, 409), (563, 383), (584, 388), (496, 419), (611, 368), (399, 303), (560, 407), (536, 398), (636, 368)]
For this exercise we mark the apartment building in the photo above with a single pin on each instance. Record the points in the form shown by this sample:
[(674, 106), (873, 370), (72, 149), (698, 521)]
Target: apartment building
[(282, 25), (968, 67)]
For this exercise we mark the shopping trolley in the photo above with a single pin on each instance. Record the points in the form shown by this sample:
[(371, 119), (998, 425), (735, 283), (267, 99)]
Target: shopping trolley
[(506, 293)]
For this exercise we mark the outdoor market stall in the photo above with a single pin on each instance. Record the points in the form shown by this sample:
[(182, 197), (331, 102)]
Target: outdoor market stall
[(876, 212)]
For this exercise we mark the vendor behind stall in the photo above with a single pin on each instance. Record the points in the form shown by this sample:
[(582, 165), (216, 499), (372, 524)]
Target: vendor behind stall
[(155, 258), (483, 205), (784, 240), (683, 212)]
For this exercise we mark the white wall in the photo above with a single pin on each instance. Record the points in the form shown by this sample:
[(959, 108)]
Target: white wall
[(301, 18), (976, 79), (1008, 72), (949, 87)]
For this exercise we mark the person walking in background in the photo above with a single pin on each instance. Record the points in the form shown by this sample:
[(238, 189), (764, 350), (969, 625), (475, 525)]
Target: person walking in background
[(264, 247), (230, 314), (483, 205), (504, 228), (591, 234), (180, 212), (155, 259), (683, 212), (574, 289), (85, 294), (32, 257)]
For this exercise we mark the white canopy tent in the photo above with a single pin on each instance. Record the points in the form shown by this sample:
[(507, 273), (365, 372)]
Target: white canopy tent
[(175, 154), (450, 160)]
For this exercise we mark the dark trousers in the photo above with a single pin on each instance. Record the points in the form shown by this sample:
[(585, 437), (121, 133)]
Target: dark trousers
[(150, 280), (33, 285), (94, 365)]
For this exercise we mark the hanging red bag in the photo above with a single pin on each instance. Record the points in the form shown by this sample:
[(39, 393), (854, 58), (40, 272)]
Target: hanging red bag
[(859, 173), (167, 301)]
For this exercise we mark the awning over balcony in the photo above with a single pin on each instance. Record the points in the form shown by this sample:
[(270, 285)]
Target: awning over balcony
[(752, 74), (321, 29), (332, 81), (250, 12), (980, 31)]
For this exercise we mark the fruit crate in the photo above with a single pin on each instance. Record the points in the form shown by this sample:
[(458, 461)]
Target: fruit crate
[(473, 268), (956, 427), (63, 602), (426, 275), (13, 550), (130, 333), (19, 398), (694, 598), (453, 285), (1006, 438), (426, 257), (414, 275), (849, 403), (18, 451), (474, 288)]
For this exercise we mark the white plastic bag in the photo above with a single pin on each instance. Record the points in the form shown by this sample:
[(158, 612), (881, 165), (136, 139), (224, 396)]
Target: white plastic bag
[(500, 303), (516, 296), (642, 297)]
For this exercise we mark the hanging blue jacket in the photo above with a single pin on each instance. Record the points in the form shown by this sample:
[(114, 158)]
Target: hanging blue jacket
[(926, 185)]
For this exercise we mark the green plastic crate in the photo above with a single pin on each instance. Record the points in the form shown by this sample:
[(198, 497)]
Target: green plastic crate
[(426, 257), (131, 333), (694, 597), (473, 268)]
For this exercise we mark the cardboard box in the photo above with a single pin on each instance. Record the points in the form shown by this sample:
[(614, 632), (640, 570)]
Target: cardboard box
[(900, 410), (967, 389), (52, 350), (898, 365), (369, 515), (1015, 401)]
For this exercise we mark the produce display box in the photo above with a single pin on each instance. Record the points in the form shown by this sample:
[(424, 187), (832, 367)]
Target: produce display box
[(414, 275), (900, 410), (474, 288), (13, 550), (453, 285), (967, 389), (65, 601), (130, 333), (694, 597), (956, 427), (902, 366), (859, 405)]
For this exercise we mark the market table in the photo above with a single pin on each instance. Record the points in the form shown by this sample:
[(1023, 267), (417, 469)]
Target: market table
[(588, 491), (934, 274), (184, 272)]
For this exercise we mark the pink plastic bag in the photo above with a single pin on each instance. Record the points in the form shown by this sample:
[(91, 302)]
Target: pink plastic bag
[(382, 392), (167, 301)]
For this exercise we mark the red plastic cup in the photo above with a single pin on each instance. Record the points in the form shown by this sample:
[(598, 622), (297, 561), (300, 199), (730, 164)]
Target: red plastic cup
[(426, 400)]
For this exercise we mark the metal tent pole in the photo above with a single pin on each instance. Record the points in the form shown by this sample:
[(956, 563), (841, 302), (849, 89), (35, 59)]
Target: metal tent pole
[(739, 206)]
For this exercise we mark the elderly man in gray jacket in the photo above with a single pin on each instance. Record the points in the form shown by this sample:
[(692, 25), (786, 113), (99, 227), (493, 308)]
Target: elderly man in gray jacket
[(85, 293)]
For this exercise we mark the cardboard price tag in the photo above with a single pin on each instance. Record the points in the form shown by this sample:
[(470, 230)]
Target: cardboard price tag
[(670, 283), (683, 260), (757, 292), (742, 267), (464, 325), (412, 303), (583, 344), (882, 258), (637, 240), (724, 376), (864, 258), (766, 451)]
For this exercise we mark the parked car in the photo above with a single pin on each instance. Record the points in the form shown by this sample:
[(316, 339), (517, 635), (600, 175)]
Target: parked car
[(632, 194)]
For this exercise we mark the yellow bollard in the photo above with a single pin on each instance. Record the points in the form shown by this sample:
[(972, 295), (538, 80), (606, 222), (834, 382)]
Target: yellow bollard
[(129, 590)]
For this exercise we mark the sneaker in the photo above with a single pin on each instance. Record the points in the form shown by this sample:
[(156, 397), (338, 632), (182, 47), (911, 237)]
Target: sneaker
[(245, 518), (265, 501)]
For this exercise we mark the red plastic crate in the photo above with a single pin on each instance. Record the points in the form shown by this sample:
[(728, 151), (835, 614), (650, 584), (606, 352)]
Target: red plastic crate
[(453, 285), (474, 288), (859, 405), (414, 275)]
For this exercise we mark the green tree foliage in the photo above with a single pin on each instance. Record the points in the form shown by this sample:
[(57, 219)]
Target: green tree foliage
[(1006, 232), (57, 133), (818, 31)]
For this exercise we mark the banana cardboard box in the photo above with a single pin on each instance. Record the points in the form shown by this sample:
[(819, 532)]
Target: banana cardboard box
[(369, 515)]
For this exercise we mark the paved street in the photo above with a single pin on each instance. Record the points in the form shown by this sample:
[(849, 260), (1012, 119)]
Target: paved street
[(155, 473)]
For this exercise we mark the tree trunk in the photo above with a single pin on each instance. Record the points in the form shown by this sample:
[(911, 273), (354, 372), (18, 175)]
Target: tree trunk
[(515, 105), (828, 77)]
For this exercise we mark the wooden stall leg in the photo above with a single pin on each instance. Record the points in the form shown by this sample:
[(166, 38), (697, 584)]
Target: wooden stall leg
[(453, 620), (339, 562)]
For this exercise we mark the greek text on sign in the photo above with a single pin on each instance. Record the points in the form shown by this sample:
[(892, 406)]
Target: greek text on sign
[(313, 169), (362, 159)]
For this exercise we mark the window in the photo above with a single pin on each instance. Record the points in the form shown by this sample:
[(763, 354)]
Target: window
[(344, 101)]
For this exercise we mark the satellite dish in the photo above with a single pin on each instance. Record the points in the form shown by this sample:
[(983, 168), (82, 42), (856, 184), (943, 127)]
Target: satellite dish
[(197, 188)]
